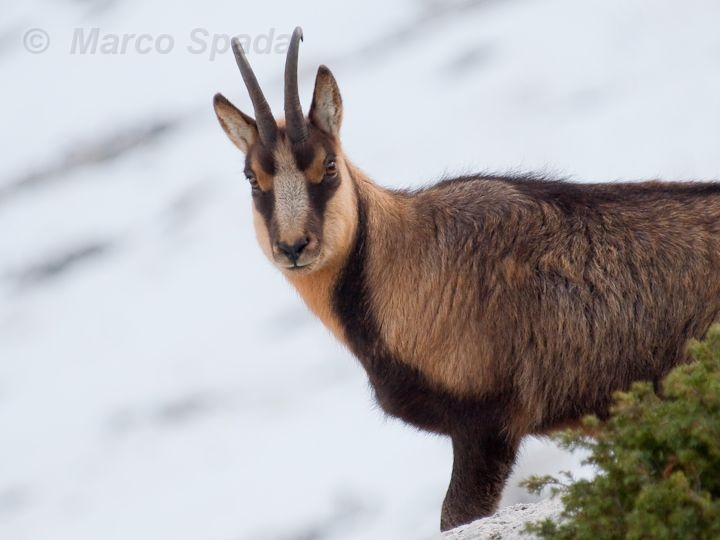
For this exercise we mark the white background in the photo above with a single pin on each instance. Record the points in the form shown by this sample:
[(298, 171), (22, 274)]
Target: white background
[(158, 378)]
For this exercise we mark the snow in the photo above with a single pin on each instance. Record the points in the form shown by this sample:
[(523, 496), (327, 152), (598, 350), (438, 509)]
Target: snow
[(509, 522), (158, 378)]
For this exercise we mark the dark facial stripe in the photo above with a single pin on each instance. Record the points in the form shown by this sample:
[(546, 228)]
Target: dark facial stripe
[(265, 204), (304, 154), (320, 194), (400, 389), (264, 201), (264, 155)]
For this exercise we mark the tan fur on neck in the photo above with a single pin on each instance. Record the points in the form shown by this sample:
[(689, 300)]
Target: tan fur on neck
[(422, 306), (339, 228)]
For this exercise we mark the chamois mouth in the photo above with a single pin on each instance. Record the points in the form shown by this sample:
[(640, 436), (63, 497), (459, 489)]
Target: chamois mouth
[(299, 267)]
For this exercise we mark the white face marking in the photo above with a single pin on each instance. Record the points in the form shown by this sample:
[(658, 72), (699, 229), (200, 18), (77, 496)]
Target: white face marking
[(291, 197), (291, 214)]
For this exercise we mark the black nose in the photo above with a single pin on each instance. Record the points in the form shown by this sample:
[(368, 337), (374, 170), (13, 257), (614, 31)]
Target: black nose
[(294, 251)]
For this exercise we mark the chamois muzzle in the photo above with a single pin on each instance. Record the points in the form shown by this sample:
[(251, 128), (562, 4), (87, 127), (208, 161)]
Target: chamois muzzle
[(292, 252)]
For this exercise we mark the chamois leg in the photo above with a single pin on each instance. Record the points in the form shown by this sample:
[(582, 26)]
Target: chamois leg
[(482, 463)]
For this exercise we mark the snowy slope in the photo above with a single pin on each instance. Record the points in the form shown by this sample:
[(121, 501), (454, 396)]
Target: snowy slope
[(158, 379)]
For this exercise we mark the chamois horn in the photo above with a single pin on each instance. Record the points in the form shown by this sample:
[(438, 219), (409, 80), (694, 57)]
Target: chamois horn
[(267, 128), (294, 119)]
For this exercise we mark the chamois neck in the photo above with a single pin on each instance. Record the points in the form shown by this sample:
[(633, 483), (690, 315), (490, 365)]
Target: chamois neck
[(385, 210), (382, 216)]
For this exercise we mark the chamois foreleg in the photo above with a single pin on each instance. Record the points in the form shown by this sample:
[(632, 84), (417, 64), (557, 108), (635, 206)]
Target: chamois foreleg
[(482, 461)]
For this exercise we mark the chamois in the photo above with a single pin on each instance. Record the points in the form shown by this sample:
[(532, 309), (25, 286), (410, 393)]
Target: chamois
[(485, 308)]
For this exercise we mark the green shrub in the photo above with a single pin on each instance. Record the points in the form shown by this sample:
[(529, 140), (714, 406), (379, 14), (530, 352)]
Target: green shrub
[(657, 461)]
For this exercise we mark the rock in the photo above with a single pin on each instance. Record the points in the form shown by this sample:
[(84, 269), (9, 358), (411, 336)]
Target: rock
[(508, 523)]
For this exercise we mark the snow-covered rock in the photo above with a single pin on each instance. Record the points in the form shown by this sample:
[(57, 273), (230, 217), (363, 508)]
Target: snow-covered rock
[(508, 523)]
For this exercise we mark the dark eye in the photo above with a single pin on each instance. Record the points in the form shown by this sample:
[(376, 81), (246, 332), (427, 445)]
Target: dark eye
[(253, 181), (331, 168)]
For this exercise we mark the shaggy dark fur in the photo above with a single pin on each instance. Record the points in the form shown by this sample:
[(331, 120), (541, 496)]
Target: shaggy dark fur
[(581, 289)]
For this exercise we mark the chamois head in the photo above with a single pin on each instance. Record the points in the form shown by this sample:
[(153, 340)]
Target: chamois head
[(302, 195)]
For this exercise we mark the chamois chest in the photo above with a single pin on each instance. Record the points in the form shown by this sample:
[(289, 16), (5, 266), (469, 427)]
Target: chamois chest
[(401, 389)]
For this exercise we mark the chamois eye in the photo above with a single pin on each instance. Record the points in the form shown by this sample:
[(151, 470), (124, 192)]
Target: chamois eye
[(331, 168), (253, 181)]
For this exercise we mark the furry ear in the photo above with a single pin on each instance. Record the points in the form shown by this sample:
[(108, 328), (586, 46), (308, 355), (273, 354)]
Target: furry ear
[(239, 127), (326, 109)]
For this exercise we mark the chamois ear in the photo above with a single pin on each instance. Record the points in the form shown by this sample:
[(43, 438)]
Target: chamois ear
[(239, 127), (326, 109)]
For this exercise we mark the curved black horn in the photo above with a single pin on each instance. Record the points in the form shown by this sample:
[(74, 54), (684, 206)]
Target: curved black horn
[(294, 118), (267, 128)]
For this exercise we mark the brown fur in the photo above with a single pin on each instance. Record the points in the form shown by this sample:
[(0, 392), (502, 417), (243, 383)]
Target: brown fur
[(531, 302), (488, 308), (533, 292)]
